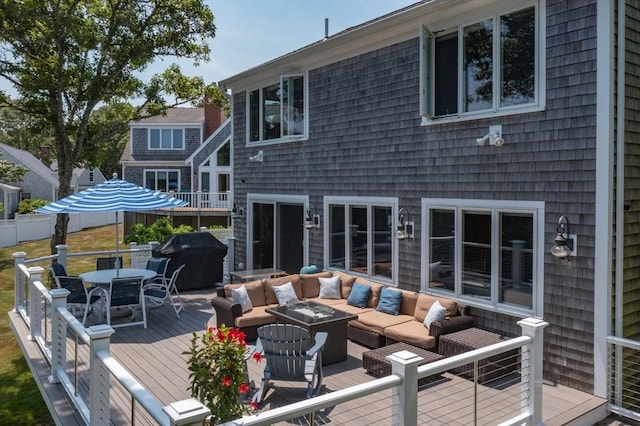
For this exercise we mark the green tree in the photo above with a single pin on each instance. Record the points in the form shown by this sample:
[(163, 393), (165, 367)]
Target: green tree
[(66, 57)]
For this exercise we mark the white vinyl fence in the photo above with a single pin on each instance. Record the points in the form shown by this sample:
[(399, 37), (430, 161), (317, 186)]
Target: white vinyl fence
[(28, 227)]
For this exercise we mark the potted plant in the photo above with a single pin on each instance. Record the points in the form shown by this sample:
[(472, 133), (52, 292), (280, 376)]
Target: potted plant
[(218, 372)]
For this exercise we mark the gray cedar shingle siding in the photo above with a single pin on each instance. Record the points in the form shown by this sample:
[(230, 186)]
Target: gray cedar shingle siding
[(215, 143), (365, 139)]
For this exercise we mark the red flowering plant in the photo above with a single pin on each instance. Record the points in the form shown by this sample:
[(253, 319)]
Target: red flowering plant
[(217, 365)]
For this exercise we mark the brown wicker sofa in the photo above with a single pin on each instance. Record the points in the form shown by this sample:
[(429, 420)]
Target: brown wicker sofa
[(372, 328)]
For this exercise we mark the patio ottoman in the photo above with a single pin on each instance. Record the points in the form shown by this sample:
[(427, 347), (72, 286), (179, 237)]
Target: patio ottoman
[(474, 338), (377, 364)]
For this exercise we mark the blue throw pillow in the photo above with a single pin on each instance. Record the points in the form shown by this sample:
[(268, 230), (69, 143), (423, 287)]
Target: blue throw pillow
[(359, 295), (389, 301), (311, 269)]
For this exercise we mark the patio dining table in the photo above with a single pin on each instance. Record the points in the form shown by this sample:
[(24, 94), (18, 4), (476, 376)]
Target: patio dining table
[(103, 277)]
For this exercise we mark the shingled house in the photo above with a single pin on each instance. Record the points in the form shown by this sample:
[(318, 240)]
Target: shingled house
[(481, 130)]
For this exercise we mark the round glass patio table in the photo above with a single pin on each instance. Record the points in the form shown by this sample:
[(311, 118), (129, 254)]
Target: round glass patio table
[(104, 276)]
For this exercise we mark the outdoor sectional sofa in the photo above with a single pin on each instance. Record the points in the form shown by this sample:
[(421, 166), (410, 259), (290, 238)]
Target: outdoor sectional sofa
[(372, 328)]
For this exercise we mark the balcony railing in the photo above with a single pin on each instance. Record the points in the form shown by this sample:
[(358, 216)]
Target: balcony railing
[(205, 200), (49, 320)]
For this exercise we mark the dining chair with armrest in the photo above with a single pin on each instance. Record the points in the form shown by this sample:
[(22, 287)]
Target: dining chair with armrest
[(81, 296), (108, 262), (158, 292), (159, 266), (127, 293)]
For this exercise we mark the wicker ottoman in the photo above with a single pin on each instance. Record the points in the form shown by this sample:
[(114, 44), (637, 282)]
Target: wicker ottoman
[(474, 338), (377, 364)]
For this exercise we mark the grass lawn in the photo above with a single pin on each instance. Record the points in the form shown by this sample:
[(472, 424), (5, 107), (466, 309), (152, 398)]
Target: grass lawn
[(20, 400)]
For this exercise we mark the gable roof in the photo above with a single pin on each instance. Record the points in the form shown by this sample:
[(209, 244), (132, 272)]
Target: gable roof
[(175, 116), (29, 161)]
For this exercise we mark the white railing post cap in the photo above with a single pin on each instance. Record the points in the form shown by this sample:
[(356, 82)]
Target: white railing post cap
[(187, 411), (100, 331), (533, 322), (404, 357)]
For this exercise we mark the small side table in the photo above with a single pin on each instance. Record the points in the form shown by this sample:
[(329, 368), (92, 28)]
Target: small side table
[(377, 364), (474, 338)]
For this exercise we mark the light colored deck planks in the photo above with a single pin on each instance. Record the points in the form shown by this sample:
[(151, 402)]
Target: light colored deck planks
[(154, 356)]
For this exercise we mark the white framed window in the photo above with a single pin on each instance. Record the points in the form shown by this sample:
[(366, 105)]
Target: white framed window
[(162, 180), (166, 138), (484, 65), (277, 111), (359, 236), (488, 253)]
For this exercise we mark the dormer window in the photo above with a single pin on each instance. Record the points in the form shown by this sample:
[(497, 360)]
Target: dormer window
[(277, 111), (166, 138)]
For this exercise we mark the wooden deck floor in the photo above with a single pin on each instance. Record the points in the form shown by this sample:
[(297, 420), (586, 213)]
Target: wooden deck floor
[(154, 357)]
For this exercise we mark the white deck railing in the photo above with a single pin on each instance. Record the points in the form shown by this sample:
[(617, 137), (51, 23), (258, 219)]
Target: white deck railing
[(624, 355), (205, 200), (44, 310)]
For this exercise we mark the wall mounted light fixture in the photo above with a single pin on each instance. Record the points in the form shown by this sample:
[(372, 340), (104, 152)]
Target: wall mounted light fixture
[(259, 157), (564, 244), (311, 221), (405, 227), (237, 213), (494, 137)]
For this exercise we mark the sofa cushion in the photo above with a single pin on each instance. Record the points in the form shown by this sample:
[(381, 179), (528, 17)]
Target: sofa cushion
[(256, 317), (311, 269), (346, 282), (389, 301), (408, 304), (310, 284), (270, 282), (379, 321), (285, 293), (425, 301), (241, 296), (376, 289), (411, 332), (255, 290), (359, 295), (436, 313), (330, 288)]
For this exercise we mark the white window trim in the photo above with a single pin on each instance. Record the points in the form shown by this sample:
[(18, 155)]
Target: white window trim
[(536, 208), (392, 202), (144, 177), (160, 129), (426, 92), (285, 139)]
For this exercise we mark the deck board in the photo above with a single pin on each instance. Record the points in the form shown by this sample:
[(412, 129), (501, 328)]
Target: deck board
[(155, 357)]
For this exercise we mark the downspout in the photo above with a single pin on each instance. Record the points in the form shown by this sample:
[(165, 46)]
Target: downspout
[(603, 264), (620, 187)]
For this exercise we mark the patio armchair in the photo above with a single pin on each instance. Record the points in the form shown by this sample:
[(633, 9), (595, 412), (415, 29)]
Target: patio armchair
[(285, 349), (127, 293), (157, 293), (159, 266), (81, 297), (107, 262)]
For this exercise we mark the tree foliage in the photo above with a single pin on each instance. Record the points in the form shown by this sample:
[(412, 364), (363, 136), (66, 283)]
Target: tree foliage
[(10, 172), (66, 57)]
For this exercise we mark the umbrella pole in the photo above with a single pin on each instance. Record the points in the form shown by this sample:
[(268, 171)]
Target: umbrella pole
[(117, 248)]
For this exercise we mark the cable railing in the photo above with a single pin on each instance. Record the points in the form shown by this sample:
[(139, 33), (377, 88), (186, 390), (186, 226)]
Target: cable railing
[(624, 377), (81, 363)]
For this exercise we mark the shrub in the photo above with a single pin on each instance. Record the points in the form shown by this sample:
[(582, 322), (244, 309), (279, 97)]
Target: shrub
[(29, 205), (158, 231)]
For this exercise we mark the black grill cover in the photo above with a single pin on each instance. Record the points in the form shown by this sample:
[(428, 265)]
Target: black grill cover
[(202, 253)]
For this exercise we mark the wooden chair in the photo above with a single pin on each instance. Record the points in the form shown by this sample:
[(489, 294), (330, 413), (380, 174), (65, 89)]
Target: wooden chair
[(157, 293), (285, 348)]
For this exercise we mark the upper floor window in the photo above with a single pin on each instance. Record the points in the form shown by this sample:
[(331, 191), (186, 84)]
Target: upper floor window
[(277, 111), (361, 236), (166, 138), (487, 253), (90, 176), (487, 66)]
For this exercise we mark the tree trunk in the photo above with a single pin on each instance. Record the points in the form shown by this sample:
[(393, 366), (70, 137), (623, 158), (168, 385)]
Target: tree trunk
[(60, 231)]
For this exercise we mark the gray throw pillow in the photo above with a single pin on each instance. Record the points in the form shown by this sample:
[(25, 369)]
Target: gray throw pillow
[(285, 293), (241, 296), (330, 288)]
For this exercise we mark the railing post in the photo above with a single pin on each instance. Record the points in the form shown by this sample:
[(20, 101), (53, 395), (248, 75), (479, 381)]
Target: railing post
[(404, 398), (186, 412), (20, 291), (58, 334), (198, 200), (100, 377), (534, 327), (35, 313), (62, 254)]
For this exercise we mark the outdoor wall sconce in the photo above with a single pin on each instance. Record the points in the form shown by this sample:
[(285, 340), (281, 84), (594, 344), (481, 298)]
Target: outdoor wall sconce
[(311, 221), (237, 213), (405, 228), (564, 243), (258, 158), (494, 137)]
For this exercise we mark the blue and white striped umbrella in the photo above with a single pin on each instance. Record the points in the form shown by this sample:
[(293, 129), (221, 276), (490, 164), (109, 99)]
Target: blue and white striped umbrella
[(113, 196)]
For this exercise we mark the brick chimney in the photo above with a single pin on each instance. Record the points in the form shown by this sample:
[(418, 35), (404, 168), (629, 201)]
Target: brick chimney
[(213, 117)]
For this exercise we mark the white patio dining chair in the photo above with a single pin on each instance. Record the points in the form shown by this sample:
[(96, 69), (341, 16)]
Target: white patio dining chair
[(81, 298), (127, 293), (157, 293), (285, 349)]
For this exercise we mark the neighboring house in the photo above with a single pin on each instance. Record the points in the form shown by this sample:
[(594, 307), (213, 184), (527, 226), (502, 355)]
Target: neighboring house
[(82, 178), (39, 182), (186, 151), (393, 120)]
